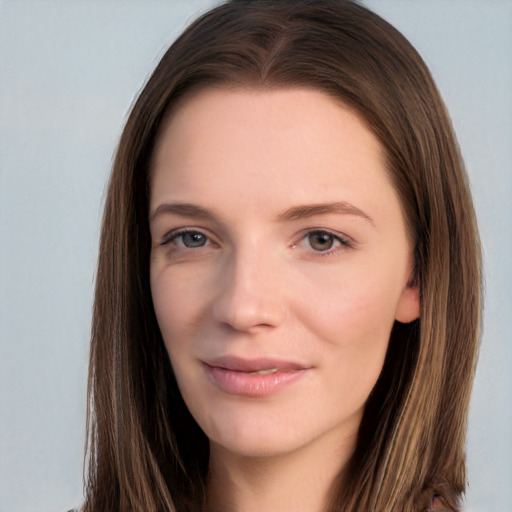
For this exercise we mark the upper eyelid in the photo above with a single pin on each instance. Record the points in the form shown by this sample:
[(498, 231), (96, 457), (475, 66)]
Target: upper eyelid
[(336, 234), (345, 239), (174, 233)]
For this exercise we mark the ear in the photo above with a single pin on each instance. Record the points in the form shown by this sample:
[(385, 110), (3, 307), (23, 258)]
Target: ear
[(408, 307)]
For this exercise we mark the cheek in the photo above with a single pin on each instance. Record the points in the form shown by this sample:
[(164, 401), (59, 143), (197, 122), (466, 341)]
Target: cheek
[(352, 310), (351, 322), (177, 308), (353, 331)]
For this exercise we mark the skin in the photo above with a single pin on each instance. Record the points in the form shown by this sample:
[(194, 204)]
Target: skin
[(262, 276)]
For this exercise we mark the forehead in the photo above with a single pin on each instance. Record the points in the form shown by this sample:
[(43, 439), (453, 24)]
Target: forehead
[(284, 145)]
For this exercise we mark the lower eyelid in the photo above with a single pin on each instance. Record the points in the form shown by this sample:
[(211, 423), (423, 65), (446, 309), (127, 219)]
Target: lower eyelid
[(176, 233), (343, 240)]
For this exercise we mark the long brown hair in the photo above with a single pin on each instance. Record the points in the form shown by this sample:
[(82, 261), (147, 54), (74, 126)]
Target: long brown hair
[(145, 452)]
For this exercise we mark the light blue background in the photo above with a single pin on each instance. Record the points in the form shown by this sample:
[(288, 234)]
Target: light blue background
[(68, 74)]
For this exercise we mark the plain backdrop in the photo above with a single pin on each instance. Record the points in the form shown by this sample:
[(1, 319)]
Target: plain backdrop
[(69, 71)]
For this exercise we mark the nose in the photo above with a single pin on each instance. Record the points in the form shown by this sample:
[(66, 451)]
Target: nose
[(249, 296)]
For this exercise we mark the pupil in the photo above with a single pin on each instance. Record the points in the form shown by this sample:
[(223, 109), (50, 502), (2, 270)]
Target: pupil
[(321, 241), (194, 239)]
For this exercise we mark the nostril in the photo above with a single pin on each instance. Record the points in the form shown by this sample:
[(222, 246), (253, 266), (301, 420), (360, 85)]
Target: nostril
[(246, 316), (245, 309)]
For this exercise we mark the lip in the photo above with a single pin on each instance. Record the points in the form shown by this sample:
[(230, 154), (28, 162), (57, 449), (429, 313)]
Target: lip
[(237, 376)]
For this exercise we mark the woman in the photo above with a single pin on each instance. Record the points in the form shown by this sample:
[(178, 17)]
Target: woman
[(288, 293)]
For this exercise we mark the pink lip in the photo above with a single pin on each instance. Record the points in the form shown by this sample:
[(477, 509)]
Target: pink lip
[(235, 376)]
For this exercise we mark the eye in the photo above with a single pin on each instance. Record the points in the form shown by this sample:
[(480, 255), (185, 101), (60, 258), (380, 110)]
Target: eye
[(187, 239), (193, 239), (325, 241), (321, 240)]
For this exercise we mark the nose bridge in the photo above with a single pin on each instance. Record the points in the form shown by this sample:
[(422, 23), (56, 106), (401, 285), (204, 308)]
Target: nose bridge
[(249, 289)]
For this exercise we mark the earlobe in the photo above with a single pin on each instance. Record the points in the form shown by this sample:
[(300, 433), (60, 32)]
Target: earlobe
[(408, 307)]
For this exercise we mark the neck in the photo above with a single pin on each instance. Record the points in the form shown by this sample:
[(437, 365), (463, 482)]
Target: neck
[(296, 482)]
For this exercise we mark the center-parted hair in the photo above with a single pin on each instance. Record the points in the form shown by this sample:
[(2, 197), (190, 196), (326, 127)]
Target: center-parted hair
[(145, 451)]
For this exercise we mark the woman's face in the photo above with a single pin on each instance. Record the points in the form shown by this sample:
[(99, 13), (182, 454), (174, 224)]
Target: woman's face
[(280, 261)]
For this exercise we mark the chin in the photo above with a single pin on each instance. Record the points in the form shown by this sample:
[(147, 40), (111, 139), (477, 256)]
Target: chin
[(273, 430), (252, 429), (255, 445)]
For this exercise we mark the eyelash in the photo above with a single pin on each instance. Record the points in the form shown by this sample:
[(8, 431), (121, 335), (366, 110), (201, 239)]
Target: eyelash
[(174, 235), (344, 243)]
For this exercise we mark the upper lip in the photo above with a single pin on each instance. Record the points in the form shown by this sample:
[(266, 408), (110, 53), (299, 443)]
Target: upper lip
[(239, 364)]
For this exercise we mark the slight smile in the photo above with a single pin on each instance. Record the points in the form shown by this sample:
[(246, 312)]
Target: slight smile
[(253, 378)]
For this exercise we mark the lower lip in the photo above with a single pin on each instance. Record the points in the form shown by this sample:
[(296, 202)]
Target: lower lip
[(252, 384)]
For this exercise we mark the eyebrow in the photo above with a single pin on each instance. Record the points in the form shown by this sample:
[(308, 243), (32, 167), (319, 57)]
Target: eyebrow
[(183, 210), (295, 213), (338, 207)]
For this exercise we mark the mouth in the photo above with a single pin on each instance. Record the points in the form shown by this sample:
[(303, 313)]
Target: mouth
[(264, 372), (267, 365), (254, 378)]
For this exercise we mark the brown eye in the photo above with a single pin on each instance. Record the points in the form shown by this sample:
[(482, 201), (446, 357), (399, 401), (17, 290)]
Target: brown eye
[(321, 240)]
